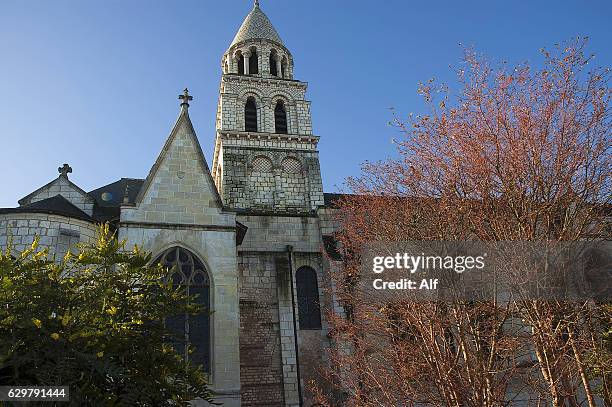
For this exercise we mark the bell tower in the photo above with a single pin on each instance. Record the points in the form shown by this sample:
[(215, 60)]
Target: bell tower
[(266, 156)]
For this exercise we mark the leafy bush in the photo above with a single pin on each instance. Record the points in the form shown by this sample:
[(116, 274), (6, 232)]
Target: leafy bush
[(94, 322)]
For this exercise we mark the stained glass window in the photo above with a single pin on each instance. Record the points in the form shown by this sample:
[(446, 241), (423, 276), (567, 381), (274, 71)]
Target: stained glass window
[(190, 273)]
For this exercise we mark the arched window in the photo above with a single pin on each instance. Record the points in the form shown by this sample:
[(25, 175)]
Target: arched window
[(250, 115), (193, 330), (241, 64), (291, 165), (273, 70), (280, 118), (309, 310), (261, 164), (253, 63)]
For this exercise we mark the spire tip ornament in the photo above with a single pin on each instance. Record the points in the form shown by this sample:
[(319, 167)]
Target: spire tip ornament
[(185, 97)]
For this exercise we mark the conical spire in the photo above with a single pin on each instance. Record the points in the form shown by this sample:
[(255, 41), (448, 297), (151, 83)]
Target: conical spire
[(257, 26)]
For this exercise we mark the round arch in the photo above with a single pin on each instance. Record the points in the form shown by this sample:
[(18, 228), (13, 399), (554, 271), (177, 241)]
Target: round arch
[(289, 107), (251, 91), (261, 163)]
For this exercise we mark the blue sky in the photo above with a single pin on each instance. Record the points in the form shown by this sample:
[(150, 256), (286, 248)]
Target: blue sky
[(95, 83)]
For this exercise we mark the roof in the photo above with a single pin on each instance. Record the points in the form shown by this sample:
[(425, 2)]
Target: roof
[(26, 199), (330, 200), (56, 205), (109, 198), (111, 195), (256, 26)]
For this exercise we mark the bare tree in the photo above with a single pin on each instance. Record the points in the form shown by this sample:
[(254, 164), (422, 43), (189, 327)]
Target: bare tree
[(518, 154)]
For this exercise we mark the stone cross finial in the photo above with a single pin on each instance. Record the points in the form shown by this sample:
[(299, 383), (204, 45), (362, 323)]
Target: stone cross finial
[(185, 98), (256, 3), (64, 170)]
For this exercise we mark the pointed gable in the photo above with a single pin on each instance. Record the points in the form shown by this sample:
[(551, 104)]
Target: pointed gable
[(64, 187), (179, 188)]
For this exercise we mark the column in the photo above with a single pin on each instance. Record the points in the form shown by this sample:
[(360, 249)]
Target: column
[(265, 116), (247, 55), (279, 71)]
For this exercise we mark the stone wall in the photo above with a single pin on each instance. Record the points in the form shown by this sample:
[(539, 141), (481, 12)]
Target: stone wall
[(265, 293), (291, 182), (236, 89), (261, 183), (261, 372), (178, 205), (269, 233), (58, 233), (179, 189), (217, 251)]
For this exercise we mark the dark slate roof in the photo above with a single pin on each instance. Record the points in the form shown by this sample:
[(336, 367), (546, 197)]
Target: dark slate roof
[(109, 198), (330, 199), (57, 205), (111, 195)]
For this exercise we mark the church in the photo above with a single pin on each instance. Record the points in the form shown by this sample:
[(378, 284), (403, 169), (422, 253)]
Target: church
[(250, 232)]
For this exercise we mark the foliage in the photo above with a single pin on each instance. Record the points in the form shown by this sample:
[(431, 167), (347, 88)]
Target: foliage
[(93, 321)]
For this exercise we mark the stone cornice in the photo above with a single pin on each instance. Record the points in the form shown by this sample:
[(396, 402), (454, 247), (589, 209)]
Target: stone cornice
[(243, 135), (159, 225), (259, 41), (260, 80)]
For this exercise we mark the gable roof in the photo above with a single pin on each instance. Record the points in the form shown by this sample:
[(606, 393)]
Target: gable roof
[(26, 199), (56, 205), (183, 118)]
